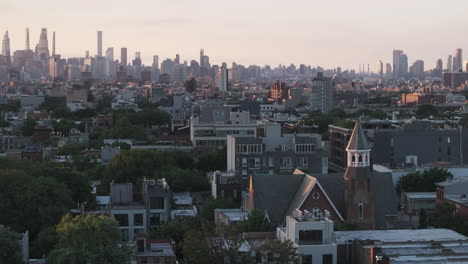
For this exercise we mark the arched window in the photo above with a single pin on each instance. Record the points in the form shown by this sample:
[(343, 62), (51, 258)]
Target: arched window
[(367, 158), (360, 158), (353, 158), (360, 210)]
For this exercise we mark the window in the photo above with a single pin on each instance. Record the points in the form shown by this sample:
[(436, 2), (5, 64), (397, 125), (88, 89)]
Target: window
[(124, 235), (353, 158), (310, 237), (360, 210), (327, 259), (156, 219), (122, 219), (140, 245), (316, 212), (360, 158), (157, 202), (316, 195), (306, 259), (138, 219)]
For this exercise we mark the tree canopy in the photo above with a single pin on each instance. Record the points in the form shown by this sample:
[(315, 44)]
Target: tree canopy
[(93, 239), (422, 182), (10, 248), (255, 222)]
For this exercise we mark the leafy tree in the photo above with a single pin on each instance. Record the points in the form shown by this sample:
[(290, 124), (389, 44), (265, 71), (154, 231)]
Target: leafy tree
[(422, 182), (69, 149), (133, 165), (28, 127), (93, 239), (338, 113), (32, 203), (10, 248), (204, 247), (347, 226), (207, 211), (125, 129), (426, 110), (255, 222), (75, 182), (185, 179), (196, 248), (212, 161), (63, 126), (45, 241), (283, 251), (446, 216)]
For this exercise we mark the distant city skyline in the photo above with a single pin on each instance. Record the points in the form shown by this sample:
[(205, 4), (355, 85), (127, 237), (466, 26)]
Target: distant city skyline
[(260, 32)]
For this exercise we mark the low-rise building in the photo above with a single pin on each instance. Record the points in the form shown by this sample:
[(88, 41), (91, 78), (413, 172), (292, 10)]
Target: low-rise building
[(271, 152), (140, 213), (415, 246), (311, 235)]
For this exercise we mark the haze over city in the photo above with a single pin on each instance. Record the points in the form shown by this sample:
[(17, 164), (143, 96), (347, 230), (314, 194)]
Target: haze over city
[(325, 33)]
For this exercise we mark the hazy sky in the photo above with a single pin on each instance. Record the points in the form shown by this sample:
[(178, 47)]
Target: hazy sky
[(329, 33)]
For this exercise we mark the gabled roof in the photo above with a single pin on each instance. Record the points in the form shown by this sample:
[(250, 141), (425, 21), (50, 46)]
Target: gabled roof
[(304, 190), (358, 140)]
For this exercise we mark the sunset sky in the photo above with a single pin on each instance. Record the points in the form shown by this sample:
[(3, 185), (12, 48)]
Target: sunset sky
[(327, 33)]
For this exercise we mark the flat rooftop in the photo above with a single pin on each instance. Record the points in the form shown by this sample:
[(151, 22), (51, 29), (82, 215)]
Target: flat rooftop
[(400, 235)]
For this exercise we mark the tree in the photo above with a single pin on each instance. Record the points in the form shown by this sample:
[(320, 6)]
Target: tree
[(28, 127), (10, 248), (93, 239), (207, 211), (347, 226), (255, 222), (426, 110), (185, 179), (195, 248), (32, 203), (203, 247), (422, 182), (125, 129), (283, 251), (212, 161)]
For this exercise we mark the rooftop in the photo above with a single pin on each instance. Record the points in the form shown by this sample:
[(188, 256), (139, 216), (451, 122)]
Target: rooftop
[(401, 235)]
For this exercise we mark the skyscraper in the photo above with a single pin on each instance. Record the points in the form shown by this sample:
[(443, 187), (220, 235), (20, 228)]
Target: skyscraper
[(222, 79), (417, 69), (53, 44), (439, 65), (42, 48), (449, 63), (397, 63), (380, 68), (202, 54), (27, 47), (110, 54), (6, 48), (388, 71), (99, 43), (123, 56), (457, 60)]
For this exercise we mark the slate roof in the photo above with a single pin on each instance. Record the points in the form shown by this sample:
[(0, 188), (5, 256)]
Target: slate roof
[(277, 194), (358, 140), (274, 193)]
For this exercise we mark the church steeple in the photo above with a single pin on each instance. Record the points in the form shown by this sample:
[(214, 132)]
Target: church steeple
[(358, 149)]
